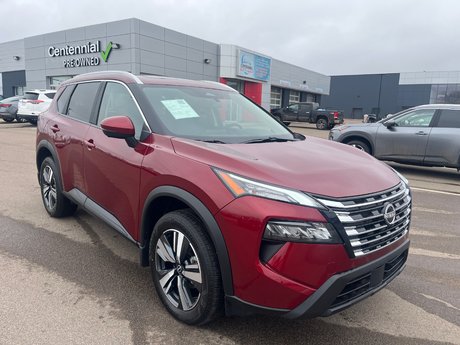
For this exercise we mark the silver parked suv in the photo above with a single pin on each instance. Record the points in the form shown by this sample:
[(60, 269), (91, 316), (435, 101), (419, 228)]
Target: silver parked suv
[(424, 135)]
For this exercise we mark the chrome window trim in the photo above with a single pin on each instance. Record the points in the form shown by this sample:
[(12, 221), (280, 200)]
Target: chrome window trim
[(111, 81)]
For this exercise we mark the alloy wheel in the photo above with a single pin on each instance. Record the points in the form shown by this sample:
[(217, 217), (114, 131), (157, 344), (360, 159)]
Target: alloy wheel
[(49, 188), (179, 269)]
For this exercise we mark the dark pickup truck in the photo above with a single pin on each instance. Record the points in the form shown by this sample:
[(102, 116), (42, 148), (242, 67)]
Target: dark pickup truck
[(309, 112)]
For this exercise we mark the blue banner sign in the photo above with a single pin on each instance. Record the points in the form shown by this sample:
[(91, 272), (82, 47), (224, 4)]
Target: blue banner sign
[(253, 66)]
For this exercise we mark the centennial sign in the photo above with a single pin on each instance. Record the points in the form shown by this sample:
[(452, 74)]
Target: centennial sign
[(88, 48)]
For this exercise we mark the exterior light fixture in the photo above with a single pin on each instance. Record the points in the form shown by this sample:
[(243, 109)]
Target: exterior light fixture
[(15, 57), (115, 45), (207, 61)]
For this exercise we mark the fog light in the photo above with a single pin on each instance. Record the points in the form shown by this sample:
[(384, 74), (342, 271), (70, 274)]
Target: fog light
[(308, 232)]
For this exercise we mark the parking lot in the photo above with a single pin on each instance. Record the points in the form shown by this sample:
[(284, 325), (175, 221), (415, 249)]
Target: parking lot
[(77, 281)]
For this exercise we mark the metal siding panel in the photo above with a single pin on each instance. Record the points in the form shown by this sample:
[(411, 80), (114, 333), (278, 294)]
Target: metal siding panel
[(175, 37), (152, 59), (174, 63), (35, 53), (195, 67), (195, 43), (175, 50), (152, 44), (195, 55), (151, 30), (175, 74)]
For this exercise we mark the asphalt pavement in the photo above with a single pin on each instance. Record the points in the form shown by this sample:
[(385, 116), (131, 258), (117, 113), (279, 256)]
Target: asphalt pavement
[(76, 281)]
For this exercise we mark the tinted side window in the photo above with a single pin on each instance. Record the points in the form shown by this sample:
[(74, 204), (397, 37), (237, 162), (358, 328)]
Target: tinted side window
[(81, 103), (50, 94), (118, 101), (63, 100), (449, 118), (294, 107)]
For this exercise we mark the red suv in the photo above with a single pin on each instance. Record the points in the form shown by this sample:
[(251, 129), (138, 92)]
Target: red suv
[(233, 212)]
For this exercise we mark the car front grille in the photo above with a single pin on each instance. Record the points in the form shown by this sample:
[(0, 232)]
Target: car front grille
[(367, 225)]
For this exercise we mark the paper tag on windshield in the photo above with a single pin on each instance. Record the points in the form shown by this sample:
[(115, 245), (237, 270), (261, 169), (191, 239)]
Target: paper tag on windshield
[(179, 108)]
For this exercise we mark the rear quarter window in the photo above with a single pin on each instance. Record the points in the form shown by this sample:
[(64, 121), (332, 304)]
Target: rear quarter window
[(63, 100), (50, 95), (449, 118)]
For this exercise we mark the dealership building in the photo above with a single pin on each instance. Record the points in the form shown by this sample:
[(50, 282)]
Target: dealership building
[(382, 94), (139, 47)]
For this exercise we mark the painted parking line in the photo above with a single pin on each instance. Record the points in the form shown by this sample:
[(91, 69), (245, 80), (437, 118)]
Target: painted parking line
[(434, 191)]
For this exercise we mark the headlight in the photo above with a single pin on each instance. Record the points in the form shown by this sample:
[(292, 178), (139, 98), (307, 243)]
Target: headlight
[(405, 180), (241, 186), (309, 232), (339, 128)]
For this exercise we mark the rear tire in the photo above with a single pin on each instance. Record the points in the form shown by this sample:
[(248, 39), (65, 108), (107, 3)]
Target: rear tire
[(184, 268), (360, 145), (55, 202), (321, 123)]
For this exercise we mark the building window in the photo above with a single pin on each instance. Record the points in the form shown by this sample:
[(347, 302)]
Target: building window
[(275, 97), (294, 96), (236, 84), (311, 97), (18, 90), (54, 82), (445, 93)]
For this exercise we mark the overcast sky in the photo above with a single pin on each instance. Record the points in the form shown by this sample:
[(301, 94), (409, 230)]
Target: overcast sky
[(328, 36)]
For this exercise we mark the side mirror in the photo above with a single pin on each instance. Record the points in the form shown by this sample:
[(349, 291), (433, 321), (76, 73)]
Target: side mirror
[(299, 136), (120, 127), (389, 124)]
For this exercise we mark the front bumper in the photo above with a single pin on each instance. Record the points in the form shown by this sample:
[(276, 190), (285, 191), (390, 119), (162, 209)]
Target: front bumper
[(345, 289), (339, 292)]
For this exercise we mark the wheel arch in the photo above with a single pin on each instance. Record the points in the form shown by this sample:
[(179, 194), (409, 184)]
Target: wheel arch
[(180, 198), (45, 149)]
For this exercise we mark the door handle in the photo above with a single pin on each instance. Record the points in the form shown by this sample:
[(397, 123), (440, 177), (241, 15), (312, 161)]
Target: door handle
[(55, 128), (421, 133), (90, 144)]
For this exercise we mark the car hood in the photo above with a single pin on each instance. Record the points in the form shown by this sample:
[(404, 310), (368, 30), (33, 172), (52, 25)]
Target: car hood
[(313, 165)]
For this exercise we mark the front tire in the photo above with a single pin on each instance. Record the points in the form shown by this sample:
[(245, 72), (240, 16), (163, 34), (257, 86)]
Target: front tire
[(360, 145), (185, 269), (8, 120), (55, 202)]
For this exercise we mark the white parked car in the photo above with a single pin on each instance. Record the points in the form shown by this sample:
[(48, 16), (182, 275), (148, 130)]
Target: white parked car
[(34, 103)]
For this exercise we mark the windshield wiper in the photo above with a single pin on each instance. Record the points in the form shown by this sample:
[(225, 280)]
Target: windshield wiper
[(213, 141), (267, 140)]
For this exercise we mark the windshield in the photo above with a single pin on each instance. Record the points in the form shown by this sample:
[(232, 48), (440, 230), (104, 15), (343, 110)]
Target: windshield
[(212, 115)]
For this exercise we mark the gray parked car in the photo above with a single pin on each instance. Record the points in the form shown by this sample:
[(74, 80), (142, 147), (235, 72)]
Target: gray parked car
[(424, 135), (9, 109)]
